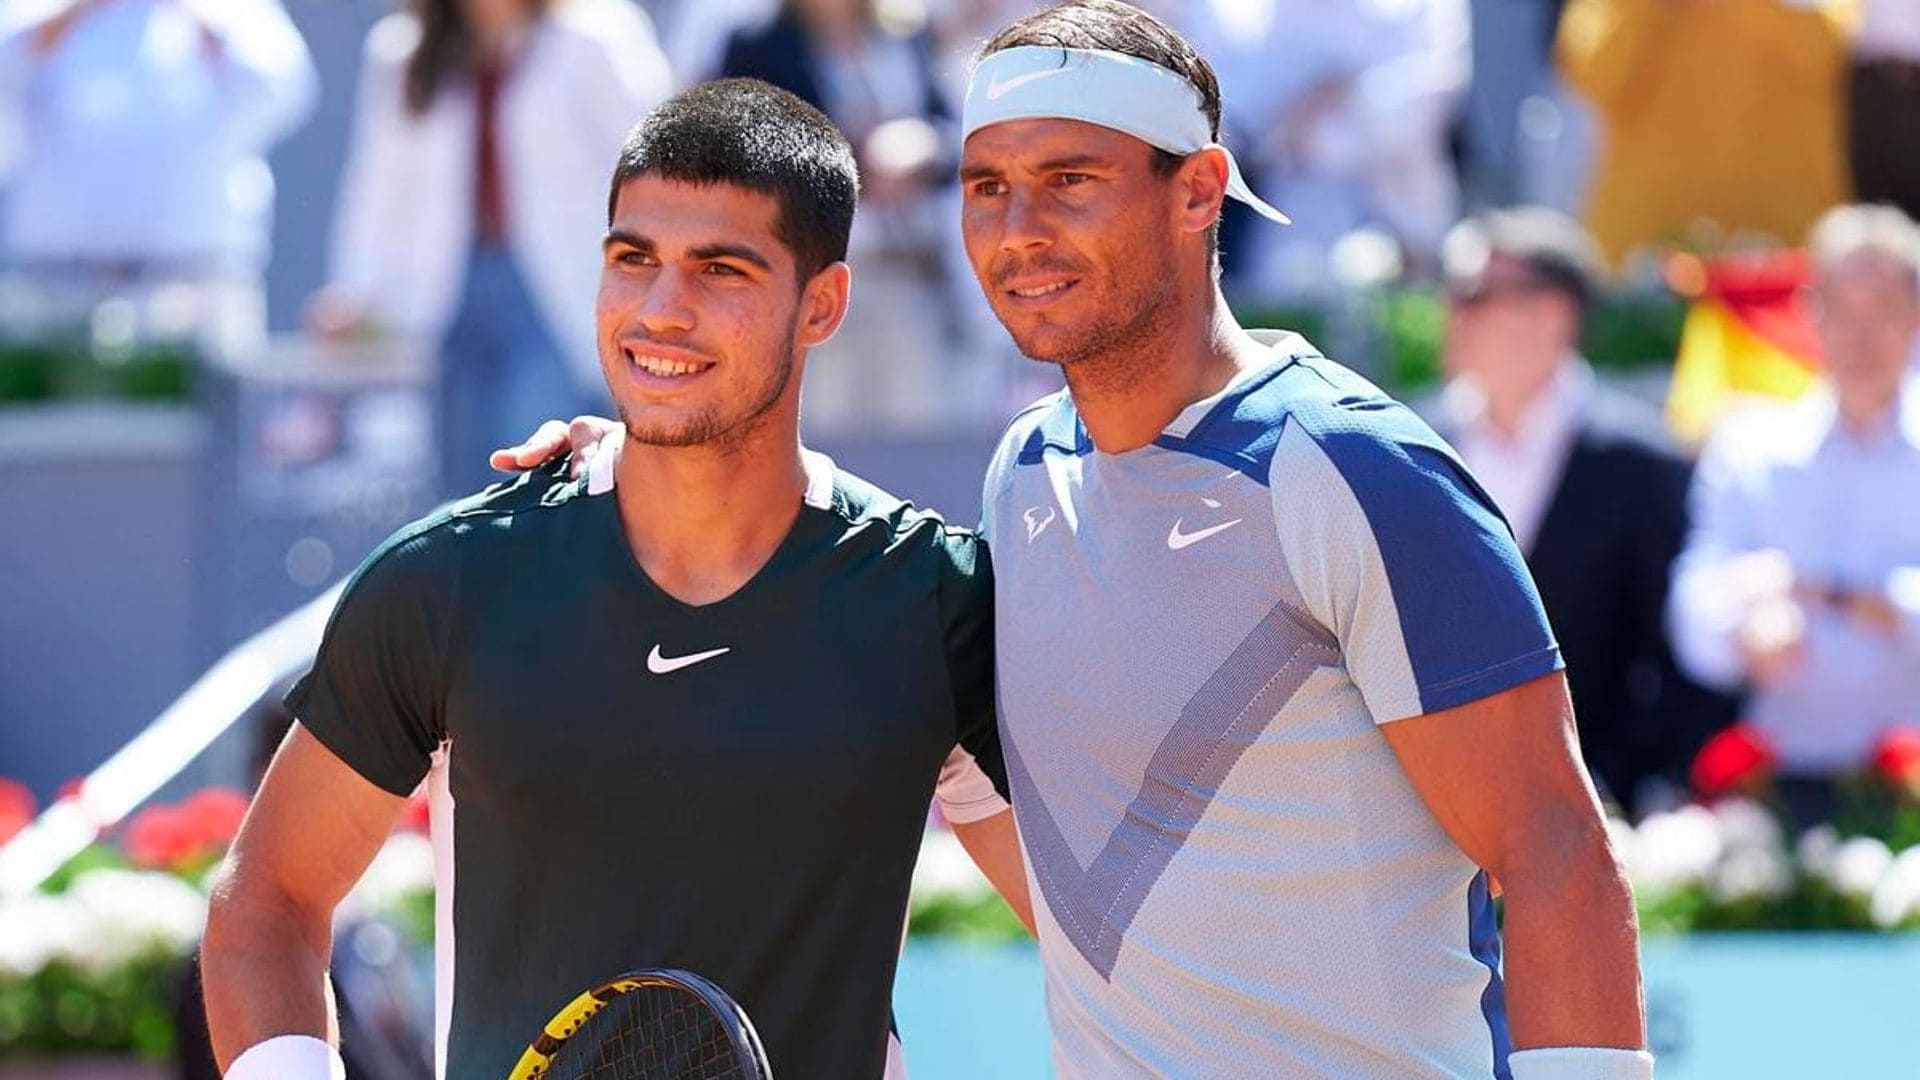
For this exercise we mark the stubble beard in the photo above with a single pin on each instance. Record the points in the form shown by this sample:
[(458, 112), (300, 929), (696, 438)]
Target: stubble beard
[(1111, 356), (708, 427)]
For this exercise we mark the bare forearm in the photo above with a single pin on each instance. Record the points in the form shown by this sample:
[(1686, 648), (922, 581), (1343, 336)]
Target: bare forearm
[(1573, 957), (994, 844), (264, 965)]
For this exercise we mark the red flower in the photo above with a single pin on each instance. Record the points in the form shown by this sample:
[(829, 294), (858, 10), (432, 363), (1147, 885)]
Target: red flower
[(1896, 757), (215, 814), (16, 808), (417, 815), (72, 788), (160, 837), (1737, 759)]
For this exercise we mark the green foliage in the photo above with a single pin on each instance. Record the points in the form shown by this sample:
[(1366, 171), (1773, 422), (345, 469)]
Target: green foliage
[(1303, 319), (1410, 329), (1812, 904), (92, 857), (413, 915), (982, 917), (26, 373), (1869, 806), (1674, 911), (60, 1010), (1407, 326), (1630, 331), (33, 371)]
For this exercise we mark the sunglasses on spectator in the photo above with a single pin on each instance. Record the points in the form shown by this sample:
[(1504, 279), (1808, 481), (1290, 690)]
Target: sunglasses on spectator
[(1470, 294)]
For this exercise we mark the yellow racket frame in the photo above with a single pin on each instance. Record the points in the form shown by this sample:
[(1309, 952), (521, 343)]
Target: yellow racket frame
[(537, 1058)]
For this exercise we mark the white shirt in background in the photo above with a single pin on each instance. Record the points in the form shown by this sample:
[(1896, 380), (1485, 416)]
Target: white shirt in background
[(1889, 30), (1845, 509), (1523, 471), (1377, 157), (137, 142), (404, 224)]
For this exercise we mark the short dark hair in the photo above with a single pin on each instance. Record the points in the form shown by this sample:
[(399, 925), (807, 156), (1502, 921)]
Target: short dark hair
[(1554, 248), (756, 136), (1119, 27)]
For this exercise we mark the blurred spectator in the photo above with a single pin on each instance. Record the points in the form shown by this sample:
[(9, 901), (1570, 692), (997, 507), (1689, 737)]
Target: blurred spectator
[(1721, 112), (1351, 130), (1801, 577), (1884, 130), (875, 77), (140, 128), (1527, 137), (1584, 474), (696, 32), (475, 199)]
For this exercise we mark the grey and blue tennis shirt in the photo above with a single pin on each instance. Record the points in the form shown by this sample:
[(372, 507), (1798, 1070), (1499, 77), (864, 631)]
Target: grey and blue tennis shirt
[(1197, 642)]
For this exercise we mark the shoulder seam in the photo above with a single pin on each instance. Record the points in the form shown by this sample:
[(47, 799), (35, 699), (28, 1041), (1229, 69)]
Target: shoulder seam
[(1039, 406)]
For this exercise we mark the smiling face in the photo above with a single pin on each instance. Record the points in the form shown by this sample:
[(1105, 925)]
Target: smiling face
[(700, 316), (1072, 232)]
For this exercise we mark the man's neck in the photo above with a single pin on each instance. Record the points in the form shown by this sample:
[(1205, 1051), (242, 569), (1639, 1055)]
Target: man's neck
[(1510, 402), (1866, 415), (703, 520), (1193, 358)]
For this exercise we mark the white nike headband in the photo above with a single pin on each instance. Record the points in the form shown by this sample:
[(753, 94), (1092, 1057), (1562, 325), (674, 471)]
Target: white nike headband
[(1113, 90)]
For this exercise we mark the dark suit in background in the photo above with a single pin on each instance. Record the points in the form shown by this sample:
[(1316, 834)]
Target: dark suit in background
[(1601, 559), (783, 53)]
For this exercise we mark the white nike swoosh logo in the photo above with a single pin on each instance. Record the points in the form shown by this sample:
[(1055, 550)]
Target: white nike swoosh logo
[(1177, 539), (997, 89), (661, 665)]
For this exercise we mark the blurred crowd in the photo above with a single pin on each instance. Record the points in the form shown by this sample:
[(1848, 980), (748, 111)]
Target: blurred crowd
[(1784, 571)]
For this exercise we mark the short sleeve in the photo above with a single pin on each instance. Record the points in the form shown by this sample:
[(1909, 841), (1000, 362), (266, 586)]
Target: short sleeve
[(966, 623), (965, 792), (1399, 552), (376, 694)]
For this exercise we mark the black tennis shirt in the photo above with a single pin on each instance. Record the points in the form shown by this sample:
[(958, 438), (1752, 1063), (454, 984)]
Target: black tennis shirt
[(626, 794)]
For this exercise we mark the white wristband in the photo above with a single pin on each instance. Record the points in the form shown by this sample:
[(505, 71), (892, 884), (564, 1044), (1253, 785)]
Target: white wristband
[(288, 1057), (1579, 1063)]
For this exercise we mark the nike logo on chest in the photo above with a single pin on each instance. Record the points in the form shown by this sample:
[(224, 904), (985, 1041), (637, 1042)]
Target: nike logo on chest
[(1177, 539), (662, 665)]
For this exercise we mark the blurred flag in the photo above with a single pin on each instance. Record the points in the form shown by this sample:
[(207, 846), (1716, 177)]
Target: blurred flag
[(1748, 334)]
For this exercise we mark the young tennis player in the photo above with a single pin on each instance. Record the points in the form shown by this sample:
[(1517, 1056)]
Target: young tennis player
[(1278, 697), (690, 722)]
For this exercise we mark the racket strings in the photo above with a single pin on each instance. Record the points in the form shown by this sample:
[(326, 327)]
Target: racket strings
[(652, 1033)]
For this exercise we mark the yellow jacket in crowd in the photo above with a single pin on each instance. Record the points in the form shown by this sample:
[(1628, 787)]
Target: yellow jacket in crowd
[(1724, 110)]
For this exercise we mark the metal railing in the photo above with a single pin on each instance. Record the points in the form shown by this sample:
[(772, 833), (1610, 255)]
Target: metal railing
[(214, 703)]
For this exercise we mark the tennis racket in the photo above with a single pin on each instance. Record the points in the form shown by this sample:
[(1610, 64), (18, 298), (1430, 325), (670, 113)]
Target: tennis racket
[(657, 1024)]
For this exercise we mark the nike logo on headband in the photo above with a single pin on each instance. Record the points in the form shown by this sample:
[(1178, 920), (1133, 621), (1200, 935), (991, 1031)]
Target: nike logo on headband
[(998, 89)]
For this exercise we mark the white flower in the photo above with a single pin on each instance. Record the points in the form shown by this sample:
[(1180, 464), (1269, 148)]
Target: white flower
[(1676, 849), (1897, 896), (1625, 842), (404, 866), (1858, 865), (946, 870), (126, 913), (37, 929), (1744, 823), (1752, 872), (1817, 849)]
